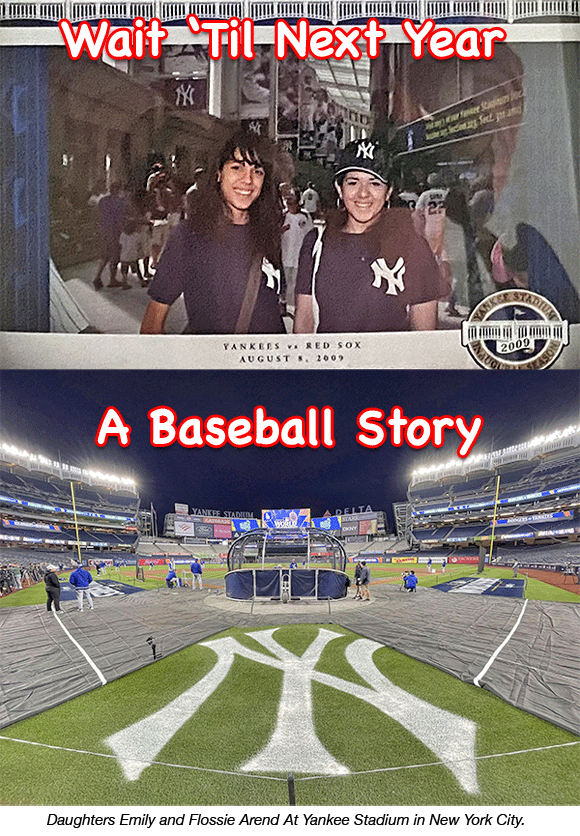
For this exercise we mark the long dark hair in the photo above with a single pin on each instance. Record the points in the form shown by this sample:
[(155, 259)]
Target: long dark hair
[(206, 209)]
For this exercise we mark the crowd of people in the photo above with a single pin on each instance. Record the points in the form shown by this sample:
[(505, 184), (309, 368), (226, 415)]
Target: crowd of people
[(135, 227), (452, 213), (14, 576)]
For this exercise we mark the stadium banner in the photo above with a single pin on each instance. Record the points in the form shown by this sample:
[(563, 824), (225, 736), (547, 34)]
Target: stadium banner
[(201, 518), (363, 515), (283, 518), (508, 499), (183, 528), (366, 559), (55, 509), (534, 518), (466, 559), (182, 509), (204, 530), (241, 526), (223, 531), (349, 528), (327, 523), (552, 532), (404, 560), (367, 526), (151, 561), (194, 525), (501, 105), (27, 524)]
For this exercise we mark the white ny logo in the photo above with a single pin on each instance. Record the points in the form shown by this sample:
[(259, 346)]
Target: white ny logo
[(366, 150), (184, 93), (294, 745), (394, 277), (272, 275)]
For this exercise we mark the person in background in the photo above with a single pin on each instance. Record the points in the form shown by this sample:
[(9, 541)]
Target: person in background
[(297, 225), (113, 209), (411, 582), (357, 574), (310, 200), (197, 572), (52, 586), (81, 579), (131, 241), (365, 579)]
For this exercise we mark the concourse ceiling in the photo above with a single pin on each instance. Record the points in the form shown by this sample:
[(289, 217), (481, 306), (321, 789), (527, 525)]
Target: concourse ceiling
[(347, 81)]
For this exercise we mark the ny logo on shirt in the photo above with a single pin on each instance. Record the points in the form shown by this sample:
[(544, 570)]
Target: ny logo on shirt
[(394, 277), (272, 275)]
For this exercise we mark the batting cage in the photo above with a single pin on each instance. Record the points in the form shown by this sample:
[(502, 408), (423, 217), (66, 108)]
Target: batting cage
[(295, 551)]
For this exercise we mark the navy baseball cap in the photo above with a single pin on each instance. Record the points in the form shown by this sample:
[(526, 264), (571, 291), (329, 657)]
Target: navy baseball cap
[(364, 155)]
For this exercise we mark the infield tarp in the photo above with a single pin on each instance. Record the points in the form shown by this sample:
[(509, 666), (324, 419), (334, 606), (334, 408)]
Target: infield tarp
[(506, 587), (538, 669)]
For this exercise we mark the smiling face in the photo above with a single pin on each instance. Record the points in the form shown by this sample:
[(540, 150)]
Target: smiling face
[(364, 196), (241, 183)]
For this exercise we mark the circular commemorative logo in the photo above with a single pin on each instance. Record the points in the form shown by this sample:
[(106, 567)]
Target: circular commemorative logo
[(514, 329)]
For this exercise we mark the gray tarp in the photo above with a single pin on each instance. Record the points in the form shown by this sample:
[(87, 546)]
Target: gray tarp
[(538, 670)]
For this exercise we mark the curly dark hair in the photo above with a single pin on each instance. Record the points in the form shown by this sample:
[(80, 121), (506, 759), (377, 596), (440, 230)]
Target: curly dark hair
[(206, 209)]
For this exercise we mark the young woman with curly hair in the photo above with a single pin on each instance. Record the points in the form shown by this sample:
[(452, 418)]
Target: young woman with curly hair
[(225, 258)]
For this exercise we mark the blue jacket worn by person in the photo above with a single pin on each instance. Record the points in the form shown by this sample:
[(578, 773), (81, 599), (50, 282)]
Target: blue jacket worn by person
[(81, 578), (196, 568), (411, 583), (170, 578)]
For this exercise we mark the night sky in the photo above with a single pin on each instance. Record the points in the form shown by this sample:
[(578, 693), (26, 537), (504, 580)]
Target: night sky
[(57, 414)]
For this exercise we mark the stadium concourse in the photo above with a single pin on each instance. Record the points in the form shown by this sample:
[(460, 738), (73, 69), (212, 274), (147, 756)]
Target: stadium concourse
[(523, 651)]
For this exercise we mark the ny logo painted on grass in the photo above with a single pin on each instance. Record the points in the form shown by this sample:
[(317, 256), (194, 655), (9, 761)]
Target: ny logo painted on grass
[(294, 745)]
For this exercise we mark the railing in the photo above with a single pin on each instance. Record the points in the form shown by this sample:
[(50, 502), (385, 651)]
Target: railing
[(320, 11)]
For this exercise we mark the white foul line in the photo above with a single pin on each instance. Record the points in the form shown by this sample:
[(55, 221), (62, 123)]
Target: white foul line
[(494, 655), (302, 778), (85, 654)]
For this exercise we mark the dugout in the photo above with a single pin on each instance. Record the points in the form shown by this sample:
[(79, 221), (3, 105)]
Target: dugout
[(250, 575)]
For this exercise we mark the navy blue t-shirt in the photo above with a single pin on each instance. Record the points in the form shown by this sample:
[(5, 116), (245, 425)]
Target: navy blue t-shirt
[(362, 288), (212, 274)]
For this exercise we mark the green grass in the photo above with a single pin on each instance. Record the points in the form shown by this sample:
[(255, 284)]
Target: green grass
[(380, 572), (237, 720)]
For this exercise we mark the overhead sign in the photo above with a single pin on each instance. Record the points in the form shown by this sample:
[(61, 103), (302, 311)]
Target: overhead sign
[(284, 518), (326, 523)]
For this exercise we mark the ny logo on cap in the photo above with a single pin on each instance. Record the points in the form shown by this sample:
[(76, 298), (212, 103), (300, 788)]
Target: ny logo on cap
[(366, 150)]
